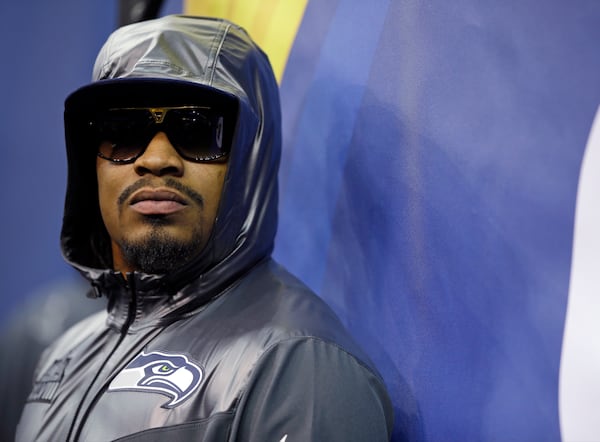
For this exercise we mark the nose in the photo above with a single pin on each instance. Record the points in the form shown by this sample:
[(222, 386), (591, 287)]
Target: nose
[(160, 158)]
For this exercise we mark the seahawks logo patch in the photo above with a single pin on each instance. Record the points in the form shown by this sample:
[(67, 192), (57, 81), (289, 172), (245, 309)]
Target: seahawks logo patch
[(170, 374)]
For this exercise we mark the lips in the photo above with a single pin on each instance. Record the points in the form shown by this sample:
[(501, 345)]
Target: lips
[(157, 202)]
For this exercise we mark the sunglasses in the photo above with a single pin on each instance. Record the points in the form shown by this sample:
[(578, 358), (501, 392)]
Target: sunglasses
[(197, 133)]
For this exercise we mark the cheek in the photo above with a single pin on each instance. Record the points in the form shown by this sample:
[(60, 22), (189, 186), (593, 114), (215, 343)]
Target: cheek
[(214, 187)]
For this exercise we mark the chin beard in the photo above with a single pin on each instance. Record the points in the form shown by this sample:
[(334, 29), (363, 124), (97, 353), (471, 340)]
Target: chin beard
[(159, 253)]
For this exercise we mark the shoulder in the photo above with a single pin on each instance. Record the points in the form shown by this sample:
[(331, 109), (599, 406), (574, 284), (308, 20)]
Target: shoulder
[(270, 306), (267, 312), (314, 387), (310, 378), (72, 338)]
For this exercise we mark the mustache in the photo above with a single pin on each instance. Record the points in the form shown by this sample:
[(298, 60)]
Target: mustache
[(167, 182)]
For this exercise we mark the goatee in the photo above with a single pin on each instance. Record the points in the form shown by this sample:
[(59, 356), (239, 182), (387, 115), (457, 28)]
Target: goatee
[(159, 253)]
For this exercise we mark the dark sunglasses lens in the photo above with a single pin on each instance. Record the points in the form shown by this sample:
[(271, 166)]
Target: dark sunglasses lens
[(119, 151), (195, 134), (122, 134)]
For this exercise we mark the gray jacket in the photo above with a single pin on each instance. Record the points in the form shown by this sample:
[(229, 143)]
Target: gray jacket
[(230, 346)]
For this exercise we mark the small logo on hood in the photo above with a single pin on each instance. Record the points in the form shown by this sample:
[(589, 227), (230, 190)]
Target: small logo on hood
[(170, 374)]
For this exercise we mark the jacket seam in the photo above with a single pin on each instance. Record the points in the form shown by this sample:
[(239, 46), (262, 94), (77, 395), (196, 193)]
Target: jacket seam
[(168, 428), (217, 52)]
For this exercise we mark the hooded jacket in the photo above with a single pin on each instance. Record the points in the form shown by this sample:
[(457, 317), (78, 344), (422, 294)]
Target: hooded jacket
[(230, 346)]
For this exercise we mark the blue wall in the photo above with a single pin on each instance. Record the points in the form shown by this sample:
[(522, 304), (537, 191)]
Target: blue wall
[(48, 49)]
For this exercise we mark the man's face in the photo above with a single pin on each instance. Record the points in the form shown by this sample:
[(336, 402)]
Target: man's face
[(160, 209)]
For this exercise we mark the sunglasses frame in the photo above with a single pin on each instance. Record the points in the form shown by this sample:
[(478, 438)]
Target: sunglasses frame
[(159, 114)]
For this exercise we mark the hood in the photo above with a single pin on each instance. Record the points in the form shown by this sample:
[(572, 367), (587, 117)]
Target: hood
[(169, 61)]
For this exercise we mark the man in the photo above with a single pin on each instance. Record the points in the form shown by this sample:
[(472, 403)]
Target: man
[(171, 212)]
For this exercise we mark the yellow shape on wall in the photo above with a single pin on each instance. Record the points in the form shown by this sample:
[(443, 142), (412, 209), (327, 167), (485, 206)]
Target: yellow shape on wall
[(273, 24)]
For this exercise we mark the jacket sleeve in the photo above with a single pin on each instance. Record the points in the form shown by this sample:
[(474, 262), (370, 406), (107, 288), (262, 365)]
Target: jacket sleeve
[(310, 390)]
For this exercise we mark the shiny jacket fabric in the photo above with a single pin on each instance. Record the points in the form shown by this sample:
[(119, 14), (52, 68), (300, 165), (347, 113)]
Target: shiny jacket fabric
[(230, 346)]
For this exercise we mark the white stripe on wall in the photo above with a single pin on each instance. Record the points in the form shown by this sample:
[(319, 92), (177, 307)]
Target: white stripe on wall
[(579, 388)]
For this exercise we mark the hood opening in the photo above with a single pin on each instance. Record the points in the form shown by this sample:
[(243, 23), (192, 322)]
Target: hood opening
[(85, 240)]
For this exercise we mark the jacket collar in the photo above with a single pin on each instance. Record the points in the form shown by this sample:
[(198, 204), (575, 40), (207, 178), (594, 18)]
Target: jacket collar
[(141, 300)]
